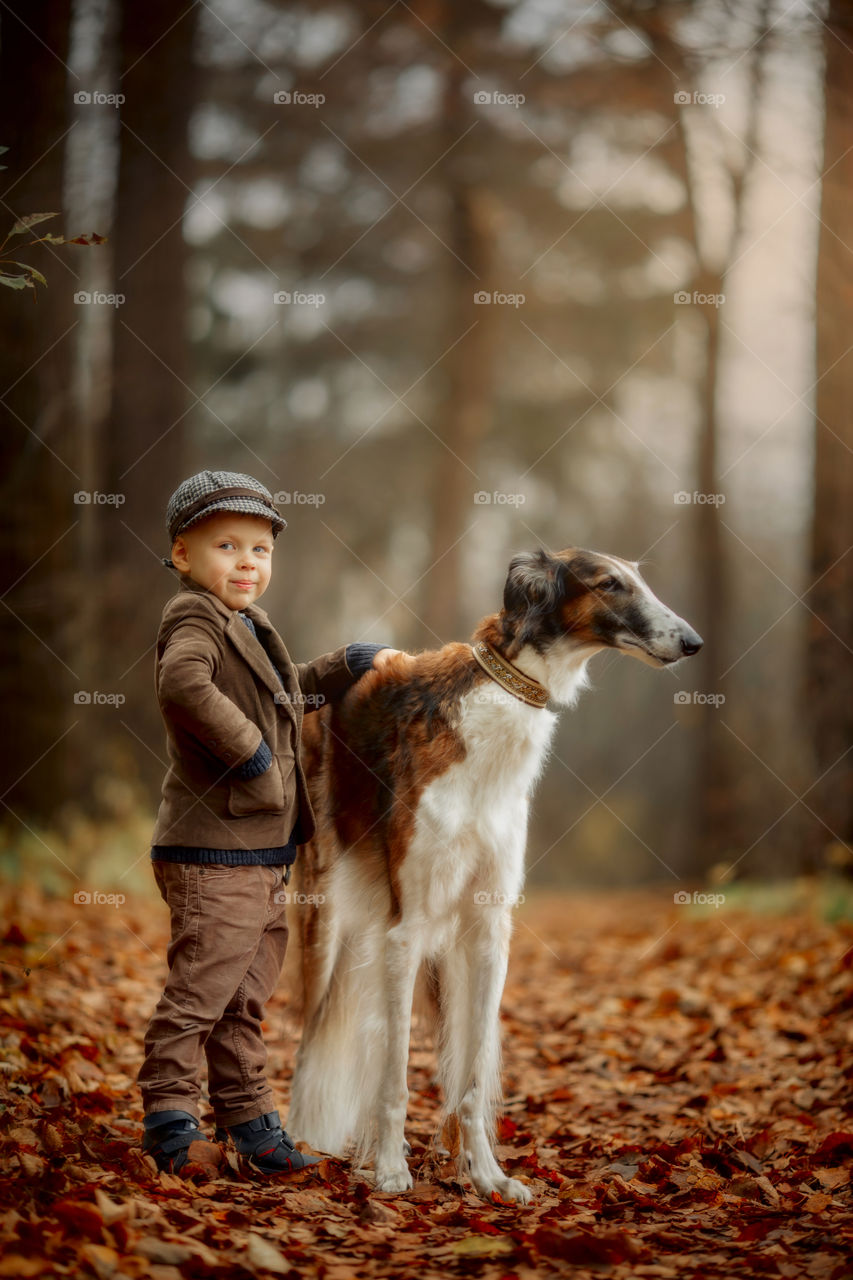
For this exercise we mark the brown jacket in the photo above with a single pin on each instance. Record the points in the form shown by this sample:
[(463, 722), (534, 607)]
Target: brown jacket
[(219, 697)]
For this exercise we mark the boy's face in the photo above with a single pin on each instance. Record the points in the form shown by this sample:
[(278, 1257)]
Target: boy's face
[(229, 554)]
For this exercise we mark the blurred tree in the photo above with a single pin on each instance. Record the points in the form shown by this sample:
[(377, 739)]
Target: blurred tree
[(829, 651), (144, 445), (716, 807), (463, 421), (38, 470)]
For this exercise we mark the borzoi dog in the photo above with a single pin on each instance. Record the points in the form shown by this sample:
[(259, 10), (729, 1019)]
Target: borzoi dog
[(420, 778)]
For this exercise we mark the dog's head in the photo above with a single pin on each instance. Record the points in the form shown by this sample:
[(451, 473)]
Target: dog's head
[(596, 602)]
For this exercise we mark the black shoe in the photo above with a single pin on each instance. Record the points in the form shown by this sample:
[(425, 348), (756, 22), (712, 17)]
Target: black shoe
[(265, 1144), (167, 1138)]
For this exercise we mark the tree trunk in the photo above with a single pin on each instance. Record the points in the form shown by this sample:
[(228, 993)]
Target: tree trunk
[(38, 472), (714, 834), (464, 419), (711, 808), (829, 649), (713, 816), (146, 443)]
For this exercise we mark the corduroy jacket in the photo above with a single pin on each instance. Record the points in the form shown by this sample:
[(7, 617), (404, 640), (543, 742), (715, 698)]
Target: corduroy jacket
[(220, 697)]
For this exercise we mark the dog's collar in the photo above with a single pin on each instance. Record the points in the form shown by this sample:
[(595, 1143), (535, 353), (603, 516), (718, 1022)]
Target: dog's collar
[(523, 687)]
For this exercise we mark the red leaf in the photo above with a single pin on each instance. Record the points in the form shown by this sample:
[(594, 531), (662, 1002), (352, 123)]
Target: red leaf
[(80, 1217), (836, 1146), (584, 1248)]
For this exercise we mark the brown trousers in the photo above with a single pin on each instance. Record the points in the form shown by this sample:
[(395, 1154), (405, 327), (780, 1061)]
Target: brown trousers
[(229, 938)]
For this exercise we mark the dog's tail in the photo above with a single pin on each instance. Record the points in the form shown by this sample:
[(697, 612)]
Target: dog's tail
[(337, 1066)]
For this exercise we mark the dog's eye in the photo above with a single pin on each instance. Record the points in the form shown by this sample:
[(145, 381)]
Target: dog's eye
[(610, 584)]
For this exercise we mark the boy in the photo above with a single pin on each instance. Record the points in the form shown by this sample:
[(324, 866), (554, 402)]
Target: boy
[(234, 808)]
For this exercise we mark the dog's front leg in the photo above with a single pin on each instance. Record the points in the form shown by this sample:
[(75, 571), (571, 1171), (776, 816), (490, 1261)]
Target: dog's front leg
[(488, 952), (402, 958)]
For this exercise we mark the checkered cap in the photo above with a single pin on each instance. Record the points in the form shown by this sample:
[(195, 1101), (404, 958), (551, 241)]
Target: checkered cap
[(211, 491)]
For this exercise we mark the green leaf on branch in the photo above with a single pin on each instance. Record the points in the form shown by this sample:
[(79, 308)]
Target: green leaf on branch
[(23, 225), (30, 275), (28, 278), (15, 282)]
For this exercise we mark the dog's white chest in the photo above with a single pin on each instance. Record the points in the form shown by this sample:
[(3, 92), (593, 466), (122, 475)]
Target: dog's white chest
[(471, 821), (506, 742)]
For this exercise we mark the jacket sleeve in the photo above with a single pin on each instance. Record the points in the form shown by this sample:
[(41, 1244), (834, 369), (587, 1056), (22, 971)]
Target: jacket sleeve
[(190, 699), (326, 678), (360, 656)]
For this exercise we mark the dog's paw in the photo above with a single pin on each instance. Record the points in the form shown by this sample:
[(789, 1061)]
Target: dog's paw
[(395, 1181), (515, 1191), (509, 1189)]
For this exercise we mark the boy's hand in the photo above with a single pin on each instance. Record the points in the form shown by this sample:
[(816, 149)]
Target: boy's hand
[(383, 655)]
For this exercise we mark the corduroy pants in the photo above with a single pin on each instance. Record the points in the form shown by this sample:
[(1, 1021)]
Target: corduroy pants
[(229, 938)]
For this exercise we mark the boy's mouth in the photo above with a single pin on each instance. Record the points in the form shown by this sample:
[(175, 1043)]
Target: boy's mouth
[(243, 583)]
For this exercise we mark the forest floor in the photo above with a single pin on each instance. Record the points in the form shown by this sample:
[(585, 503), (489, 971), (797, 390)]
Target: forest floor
[(678, 1099)]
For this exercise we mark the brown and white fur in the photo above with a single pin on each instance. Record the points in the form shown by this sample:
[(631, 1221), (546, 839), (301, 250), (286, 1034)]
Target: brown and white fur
[(420, 779)]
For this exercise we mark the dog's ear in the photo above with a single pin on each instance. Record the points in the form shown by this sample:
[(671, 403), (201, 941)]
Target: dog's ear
[(534, 584)]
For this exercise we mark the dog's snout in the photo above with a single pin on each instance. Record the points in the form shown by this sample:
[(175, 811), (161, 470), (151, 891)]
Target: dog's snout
[(691, 643)]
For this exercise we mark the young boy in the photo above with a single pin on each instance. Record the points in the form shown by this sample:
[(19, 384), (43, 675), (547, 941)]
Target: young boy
[(234, 808)]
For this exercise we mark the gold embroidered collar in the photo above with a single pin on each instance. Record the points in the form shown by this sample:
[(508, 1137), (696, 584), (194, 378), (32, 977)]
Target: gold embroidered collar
[(523, 687)]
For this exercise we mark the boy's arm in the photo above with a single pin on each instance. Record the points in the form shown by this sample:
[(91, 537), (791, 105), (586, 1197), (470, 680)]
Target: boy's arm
[(189, 697), (331, 675)]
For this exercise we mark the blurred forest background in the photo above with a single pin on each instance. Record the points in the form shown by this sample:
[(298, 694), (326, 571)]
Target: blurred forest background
[(305, 206)]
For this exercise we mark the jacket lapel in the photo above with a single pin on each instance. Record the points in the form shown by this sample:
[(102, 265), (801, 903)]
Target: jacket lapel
[(253, 654)]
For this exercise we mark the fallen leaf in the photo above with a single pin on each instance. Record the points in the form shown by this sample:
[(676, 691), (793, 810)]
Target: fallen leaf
[(264, 1255), (482, 1246)]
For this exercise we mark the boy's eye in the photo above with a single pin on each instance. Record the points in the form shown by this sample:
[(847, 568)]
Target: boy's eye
[(230, 546)]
